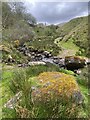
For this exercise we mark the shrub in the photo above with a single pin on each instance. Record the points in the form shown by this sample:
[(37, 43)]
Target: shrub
[(19, 31), (48, 45), (83, 78), (16, 42), (81, 52)]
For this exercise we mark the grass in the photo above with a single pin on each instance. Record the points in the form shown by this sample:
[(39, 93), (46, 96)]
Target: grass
[(82, 81), (85, 110), (8, 72), (8, 113), (68, 47), (85, 92), (4, 86), (48, 45), (76, 29), (5, 93), (67, 44), (31, 74)]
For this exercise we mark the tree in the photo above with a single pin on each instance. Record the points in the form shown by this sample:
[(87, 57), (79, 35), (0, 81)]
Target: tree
[(20, 12), (29, 18), (6, 15), (15, 22), (17, 9), (20, 31)]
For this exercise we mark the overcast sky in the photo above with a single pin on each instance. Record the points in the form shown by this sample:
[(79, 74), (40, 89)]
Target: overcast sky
[(56, 12)]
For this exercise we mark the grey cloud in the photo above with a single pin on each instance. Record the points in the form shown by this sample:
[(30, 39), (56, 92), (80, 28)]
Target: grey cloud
[(57, 12)]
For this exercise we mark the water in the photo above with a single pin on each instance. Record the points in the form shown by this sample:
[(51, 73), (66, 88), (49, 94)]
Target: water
[(50, 60)]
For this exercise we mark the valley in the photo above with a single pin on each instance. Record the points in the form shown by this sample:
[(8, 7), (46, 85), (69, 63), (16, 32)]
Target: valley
[(44, 68)]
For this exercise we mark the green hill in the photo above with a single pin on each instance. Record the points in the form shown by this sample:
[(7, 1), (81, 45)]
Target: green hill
[(67, 39), (75, 31)]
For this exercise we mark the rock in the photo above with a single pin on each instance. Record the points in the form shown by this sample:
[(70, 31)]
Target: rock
[(36, 63), (35, 51), (32, 53), (38, 55), (56, 60), (33, 58), (74, 62), (59, 61), (19, 65), (28, 54), (47, 54), (10, 59), (9, 56), (56, 85), (38, 59), (88, 61), (22, 65), (40, 51), (48, 60), (78, 97), (12, 102), (77, 71)]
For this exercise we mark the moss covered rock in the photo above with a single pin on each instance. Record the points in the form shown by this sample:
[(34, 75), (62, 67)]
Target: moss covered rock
[(74, 62), (57, 86)]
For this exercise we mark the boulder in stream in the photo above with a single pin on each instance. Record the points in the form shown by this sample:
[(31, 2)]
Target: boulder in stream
[(74, 62)]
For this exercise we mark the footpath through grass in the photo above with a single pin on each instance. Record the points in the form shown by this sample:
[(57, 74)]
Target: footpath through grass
[(68, 47)]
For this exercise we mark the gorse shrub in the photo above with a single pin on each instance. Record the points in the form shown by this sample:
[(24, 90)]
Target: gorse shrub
[(16, 42)]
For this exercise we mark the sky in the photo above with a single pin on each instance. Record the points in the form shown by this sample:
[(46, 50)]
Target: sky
[(56, 12)]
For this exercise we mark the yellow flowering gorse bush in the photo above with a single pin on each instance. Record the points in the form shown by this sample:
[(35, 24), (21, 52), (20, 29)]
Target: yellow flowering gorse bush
[(16, 42)]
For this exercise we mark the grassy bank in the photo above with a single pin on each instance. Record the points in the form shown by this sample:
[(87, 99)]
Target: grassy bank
[(27, 78)]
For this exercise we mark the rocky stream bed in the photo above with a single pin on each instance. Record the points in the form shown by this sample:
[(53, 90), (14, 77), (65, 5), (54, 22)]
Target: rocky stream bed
[(41, 57)]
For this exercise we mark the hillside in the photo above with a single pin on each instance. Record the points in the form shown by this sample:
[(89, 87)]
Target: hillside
[(75, 31), (44, 69), (69, 26), (68, 38)]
